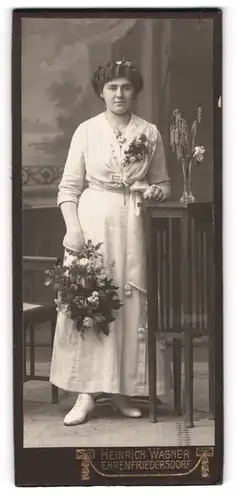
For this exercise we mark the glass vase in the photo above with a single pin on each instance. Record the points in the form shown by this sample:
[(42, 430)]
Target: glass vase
[(187, 195)]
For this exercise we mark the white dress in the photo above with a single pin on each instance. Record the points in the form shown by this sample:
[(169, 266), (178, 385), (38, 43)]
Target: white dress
[(107, 213)]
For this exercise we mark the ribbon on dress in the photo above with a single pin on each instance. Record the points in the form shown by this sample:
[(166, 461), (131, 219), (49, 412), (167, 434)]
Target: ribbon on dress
[(136, 263), (136, 245)]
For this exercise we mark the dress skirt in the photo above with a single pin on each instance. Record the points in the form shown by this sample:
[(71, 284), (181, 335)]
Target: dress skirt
[(116, 363)]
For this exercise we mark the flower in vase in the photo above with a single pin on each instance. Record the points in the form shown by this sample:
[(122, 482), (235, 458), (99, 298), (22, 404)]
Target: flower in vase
[(199, 153), (199, 114)]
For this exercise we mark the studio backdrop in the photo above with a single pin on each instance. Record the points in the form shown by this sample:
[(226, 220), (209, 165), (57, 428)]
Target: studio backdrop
[(59, 57)]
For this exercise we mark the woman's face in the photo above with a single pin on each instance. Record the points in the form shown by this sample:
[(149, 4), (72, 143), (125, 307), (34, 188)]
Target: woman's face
[(118, 95)]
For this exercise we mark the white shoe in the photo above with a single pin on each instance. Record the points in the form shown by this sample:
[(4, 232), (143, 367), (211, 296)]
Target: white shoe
[(83, 406), (123, 403)]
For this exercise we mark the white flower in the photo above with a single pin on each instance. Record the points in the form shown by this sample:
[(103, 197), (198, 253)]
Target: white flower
[(84, 262), (198, 153), (95, 294), (93, 300), (88, 322)]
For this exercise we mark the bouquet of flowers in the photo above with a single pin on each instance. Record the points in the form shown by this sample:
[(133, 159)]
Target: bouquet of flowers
[(138, 149), (85, 289)]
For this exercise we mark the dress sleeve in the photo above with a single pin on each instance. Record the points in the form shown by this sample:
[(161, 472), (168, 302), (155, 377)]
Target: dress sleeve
[(71, 184), (157, 173)]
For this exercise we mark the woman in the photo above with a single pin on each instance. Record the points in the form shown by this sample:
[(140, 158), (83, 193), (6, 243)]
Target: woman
[(108, 211)]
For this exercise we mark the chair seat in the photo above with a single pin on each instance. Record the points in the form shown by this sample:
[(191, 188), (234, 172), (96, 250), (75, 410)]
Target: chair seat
[(38, 313), (27, 306)]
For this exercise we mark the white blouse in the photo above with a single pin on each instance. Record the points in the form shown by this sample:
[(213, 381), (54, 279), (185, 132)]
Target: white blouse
[(96, 155)]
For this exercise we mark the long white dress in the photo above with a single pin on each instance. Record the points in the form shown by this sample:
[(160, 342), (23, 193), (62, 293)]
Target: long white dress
[(107, 213)]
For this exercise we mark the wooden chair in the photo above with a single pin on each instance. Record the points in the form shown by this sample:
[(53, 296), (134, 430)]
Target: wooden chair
[(180, 260), (38, 308)]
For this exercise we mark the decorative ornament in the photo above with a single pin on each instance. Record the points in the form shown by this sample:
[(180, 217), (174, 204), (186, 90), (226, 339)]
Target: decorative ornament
[(128, 290)]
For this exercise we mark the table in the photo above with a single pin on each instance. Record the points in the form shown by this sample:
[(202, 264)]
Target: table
[(34, 314), (180, 269)]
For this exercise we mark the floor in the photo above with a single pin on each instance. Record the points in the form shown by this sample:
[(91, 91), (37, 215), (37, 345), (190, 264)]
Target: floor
[(43, 421)]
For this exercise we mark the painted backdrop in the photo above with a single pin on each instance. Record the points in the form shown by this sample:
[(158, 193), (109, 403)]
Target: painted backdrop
[(58, 59)]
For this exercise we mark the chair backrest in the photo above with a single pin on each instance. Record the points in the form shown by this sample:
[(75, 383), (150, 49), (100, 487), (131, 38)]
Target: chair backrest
[(34, 289)]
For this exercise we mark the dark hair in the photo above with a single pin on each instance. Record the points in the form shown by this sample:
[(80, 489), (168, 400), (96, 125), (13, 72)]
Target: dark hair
[(117, 69)]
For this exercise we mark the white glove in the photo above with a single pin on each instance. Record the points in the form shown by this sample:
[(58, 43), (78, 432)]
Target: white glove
[(73, 239)]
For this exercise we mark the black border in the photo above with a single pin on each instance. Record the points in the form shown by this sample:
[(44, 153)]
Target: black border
[(58, 466)]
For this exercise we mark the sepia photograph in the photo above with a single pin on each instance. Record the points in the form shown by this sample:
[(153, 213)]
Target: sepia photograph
[(118, 284)]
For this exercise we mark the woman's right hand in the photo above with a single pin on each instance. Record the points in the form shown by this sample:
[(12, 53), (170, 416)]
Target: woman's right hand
[(73, 239)]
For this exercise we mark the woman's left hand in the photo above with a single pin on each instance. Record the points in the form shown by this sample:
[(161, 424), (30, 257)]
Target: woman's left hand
[(154, 193)]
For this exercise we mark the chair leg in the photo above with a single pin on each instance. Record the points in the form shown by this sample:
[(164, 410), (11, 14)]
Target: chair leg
[(32, 352), (55, 395), (188, 378), (152, 380), (55, 392), (25, 354), (211, 379), (177, 375)]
